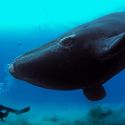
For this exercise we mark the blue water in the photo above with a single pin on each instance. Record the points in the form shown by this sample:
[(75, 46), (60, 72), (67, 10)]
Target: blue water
[(33, 23)]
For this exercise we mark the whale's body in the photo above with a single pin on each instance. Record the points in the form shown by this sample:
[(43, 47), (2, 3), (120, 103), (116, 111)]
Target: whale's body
[(85, 57)]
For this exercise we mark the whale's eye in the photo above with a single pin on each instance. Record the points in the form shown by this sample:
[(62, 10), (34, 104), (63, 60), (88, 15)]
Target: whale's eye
[(67, 41)]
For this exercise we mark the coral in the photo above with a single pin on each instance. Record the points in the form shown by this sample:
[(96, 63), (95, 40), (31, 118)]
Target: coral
[(103, 115)]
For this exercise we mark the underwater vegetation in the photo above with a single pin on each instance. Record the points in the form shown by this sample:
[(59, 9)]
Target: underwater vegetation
[(98, 115)]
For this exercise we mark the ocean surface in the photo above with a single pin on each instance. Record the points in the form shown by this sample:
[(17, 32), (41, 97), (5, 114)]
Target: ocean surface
[(28, 24)]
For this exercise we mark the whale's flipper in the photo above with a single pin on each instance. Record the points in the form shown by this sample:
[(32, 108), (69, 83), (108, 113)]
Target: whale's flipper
[(95, 93), (110, 47)]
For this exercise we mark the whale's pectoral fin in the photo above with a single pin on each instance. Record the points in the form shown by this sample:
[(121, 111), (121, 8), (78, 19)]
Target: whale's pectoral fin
[(110, 47), (94, 93)]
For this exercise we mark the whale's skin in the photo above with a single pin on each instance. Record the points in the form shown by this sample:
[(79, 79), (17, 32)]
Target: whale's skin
[(83, 58)]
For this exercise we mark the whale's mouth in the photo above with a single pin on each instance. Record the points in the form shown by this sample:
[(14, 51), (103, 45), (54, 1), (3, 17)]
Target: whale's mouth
[(13, 71), (11, 68)]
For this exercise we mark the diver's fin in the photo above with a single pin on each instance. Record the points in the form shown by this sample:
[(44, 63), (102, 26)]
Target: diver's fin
[(110, 47), (95, 93), (22, 110)]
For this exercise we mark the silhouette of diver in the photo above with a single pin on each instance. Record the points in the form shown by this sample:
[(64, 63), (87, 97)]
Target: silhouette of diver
[(4, 111)]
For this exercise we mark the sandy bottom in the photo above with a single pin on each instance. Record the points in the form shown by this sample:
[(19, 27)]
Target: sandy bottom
[(71, 115)]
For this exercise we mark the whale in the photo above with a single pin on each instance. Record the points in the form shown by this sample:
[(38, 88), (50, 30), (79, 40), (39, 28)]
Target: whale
[(84, 57)]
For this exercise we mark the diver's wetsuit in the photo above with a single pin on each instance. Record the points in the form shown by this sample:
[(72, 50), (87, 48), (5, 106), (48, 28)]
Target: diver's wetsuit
[(4, 111), (3, 114)]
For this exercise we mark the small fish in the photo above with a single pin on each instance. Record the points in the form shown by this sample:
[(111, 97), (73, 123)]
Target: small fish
[(19, 44)]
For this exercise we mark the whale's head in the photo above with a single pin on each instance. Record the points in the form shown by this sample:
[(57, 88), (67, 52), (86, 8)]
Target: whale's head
[(53, 63)]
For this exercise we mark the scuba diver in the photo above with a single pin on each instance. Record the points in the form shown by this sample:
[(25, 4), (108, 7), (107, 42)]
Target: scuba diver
[(4, 111)]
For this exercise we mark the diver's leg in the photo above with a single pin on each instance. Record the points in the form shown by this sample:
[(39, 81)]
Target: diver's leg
[(24, 110), (3, 115), (6, 113)]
